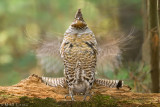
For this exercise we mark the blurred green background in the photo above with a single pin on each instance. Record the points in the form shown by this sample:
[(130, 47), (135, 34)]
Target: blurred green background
[(41, 18)]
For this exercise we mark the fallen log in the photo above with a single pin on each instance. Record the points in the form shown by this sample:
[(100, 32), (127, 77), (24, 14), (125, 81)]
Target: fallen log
[(33, 92)]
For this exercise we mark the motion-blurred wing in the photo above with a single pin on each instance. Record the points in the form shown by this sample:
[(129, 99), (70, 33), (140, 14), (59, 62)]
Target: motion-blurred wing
[(47, 51), (48, 54), (111, 52)]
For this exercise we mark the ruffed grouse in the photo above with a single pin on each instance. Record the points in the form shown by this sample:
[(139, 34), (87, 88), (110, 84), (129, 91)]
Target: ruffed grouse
[(79, 53)]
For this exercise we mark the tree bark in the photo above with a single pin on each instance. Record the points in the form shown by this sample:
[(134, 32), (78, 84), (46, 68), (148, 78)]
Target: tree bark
[(146, 41), (154, 43)]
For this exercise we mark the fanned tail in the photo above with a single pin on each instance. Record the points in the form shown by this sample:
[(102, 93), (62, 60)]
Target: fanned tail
[(104, 82), (110, 83), (54, 81)]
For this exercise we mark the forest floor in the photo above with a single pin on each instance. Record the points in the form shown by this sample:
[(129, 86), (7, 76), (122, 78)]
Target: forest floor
[(33, 92)]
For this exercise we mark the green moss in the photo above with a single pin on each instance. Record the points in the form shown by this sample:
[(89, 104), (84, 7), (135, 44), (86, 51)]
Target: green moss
[(95, 101), (36, 102), (2, 92), (7, 96), (103, 100)]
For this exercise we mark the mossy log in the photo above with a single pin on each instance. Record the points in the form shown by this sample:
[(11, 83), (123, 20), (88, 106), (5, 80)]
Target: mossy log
[(33, 92)]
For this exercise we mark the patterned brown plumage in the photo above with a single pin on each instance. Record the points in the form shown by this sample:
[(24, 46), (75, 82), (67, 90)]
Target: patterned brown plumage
[(54, 81), (110, 83), (103, 82), (79, 53)]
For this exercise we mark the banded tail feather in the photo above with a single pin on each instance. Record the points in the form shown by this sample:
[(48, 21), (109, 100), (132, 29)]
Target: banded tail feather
[(54, 81), (104, 82), (110, 83)]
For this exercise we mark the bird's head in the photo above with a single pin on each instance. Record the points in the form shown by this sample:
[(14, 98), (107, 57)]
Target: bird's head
[(79, 23)]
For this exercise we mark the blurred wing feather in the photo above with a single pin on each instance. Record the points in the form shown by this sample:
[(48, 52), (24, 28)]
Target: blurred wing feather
[(48, 54), (111, 52)]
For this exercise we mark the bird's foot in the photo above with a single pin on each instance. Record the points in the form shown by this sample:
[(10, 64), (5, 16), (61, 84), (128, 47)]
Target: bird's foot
[(85, 96), (71, 96)]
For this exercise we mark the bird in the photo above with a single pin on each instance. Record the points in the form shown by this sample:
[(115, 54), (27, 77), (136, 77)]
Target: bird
[(79, 53)]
